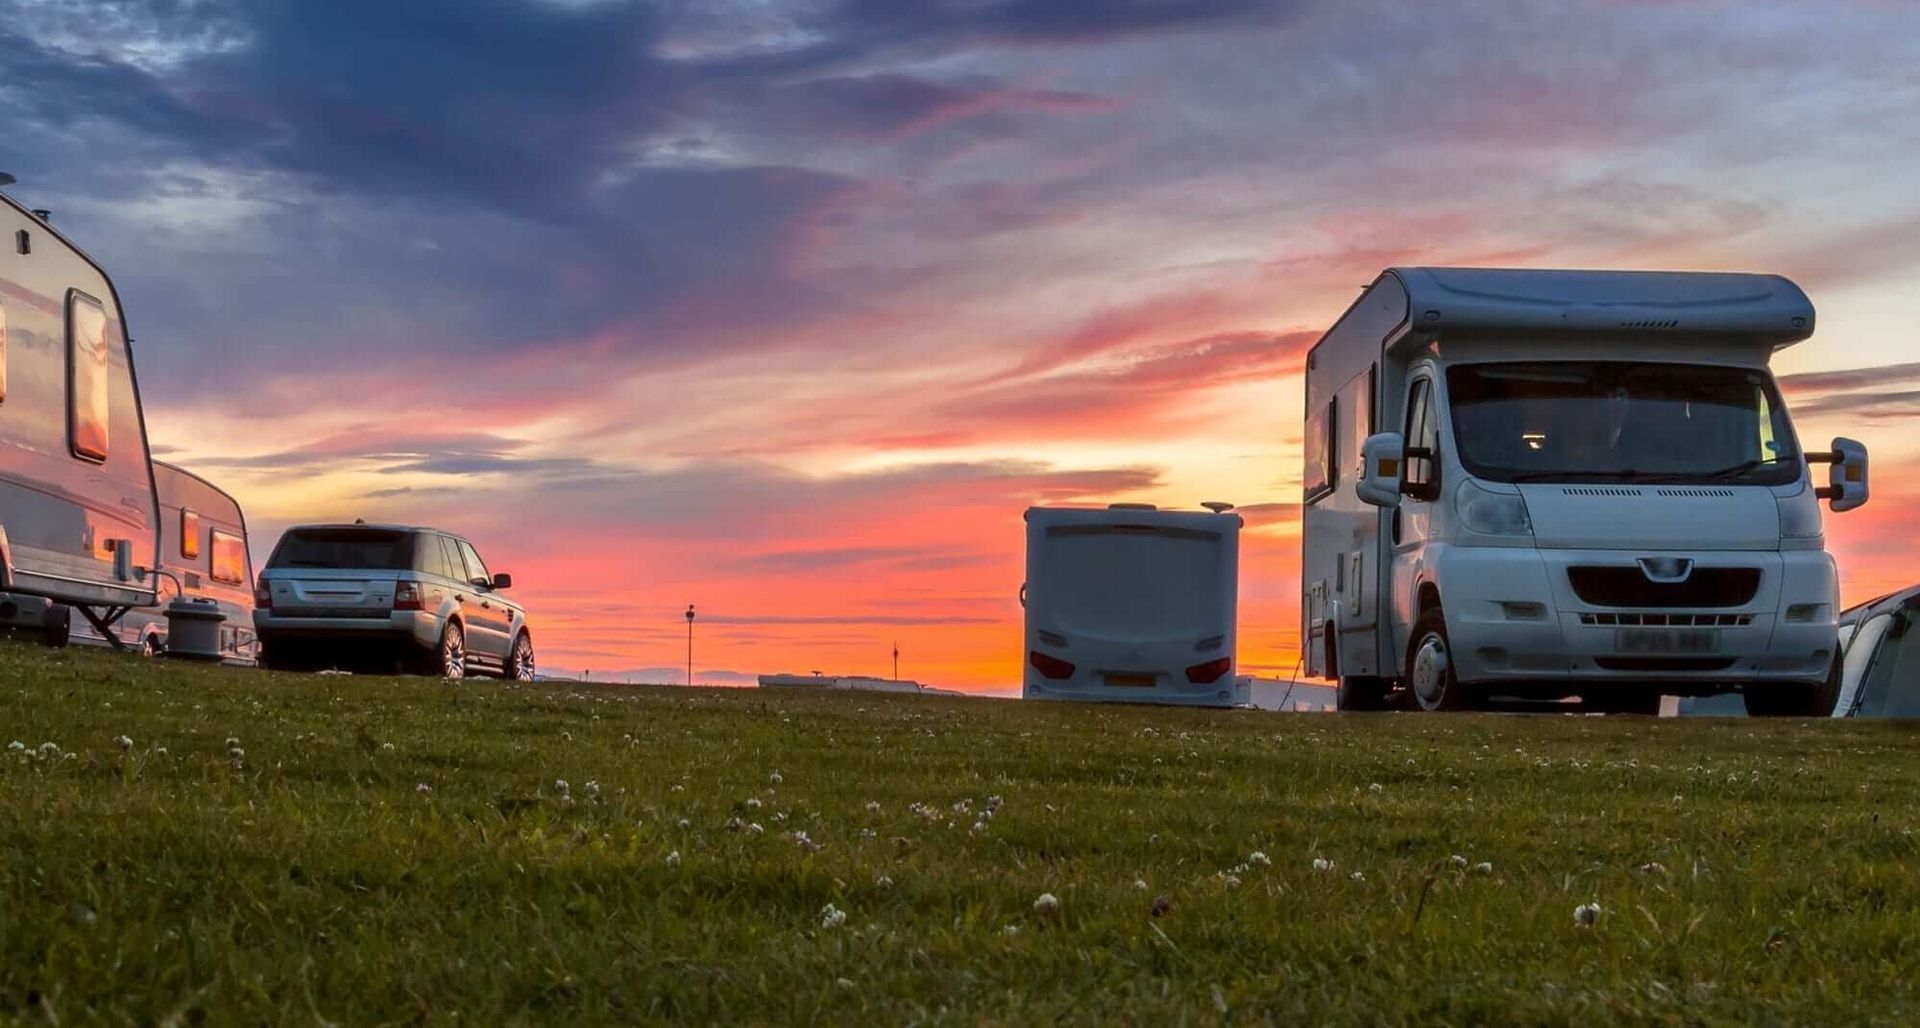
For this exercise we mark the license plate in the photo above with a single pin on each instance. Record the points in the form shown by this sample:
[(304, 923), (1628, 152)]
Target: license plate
[(1131, 681), (1666, 640)]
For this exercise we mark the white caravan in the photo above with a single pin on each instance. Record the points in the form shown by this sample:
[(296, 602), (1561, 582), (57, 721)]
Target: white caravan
[(1132, 604), (78, 512), (1558, 483), (203, 556)]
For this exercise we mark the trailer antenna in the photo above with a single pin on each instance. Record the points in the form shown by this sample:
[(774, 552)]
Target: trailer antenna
[(1217, 507)]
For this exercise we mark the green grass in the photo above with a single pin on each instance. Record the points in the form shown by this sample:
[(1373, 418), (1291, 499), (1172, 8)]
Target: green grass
[(392, 850)]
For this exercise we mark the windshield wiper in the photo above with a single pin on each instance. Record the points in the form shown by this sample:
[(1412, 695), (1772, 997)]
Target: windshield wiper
[(1715, 474)]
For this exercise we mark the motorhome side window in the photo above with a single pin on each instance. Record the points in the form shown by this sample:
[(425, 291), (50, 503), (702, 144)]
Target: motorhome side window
[(86, 377), (1322, 473), (1422, 434), (229, 558), (189, 534)]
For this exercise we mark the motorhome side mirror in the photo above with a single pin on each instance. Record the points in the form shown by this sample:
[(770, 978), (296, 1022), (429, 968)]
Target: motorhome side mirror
[(503, 581), (1846, 475), (1380, 459)]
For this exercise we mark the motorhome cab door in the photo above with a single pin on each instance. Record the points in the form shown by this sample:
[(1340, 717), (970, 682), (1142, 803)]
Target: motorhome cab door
[(1410, 524)]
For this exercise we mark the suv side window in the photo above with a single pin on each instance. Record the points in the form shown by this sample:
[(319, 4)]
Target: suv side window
[(449, 565), (474, 565)]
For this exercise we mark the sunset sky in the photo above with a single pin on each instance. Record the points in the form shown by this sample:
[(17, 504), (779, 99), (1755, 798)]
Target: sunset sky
[(790, 309)]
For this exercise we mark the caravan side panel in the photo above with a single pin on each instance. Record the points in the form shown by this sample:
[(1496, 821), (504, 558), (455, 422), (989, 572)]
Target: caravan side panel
[(74, 467), (1341, 537)]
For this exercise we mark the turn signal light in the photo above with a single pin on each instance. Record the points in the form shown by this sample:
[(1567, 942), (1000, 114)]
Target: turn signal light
[(1051, 667), (1210, 672)]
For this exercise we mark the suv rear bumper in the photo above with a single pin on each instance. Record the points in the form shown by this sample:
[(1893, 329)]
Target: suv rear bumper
[(417, 628)]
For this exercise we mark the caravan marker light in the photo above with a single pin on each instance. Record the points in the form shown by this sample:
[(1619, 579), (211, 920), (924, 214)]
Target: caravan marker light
[(1205, 674), (1052, 667)]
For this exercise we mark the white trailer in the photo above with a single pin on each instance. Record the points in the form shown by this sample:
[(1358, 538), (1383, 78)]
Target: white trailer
[(1132, 604), (1561, 483), (79, 516), (203, 556)]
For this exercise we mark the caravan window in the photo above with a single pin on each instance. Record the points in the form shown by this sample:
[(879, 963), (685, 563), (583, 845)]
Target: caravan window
[(1321, 473), (189, 534), (229, 558), (87, 386)]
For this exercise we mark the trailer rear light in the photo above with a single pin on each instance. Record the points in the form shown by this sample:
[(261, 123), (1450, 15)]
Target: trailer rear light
[(1210, 672), (406, 596), (262, 596), (1051, 667)]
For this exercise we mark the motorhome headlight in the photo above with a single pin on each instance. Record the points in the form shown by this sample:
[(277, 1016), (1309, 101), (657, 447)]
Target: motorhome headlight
[(1799, 515), (1485, 512)]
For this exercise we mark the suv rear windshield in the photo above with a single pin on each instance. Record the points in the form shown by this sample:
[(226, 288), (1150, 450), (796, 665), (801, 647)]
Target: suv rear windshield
[(377, 548)]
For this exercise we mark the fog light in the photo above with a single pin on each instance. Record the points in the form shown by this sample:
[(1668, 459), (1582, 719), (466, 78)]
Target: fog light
[(1524, 611), (1804, 612)]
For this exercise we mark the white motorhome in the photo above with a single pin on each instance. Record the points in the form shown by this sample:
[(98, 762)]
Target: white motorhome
[(78, 511), (203, 556), (1561, 483), (1132, 604)]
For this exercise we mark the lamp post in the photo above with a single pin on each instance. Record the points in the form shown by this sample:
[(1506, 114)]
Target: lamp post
[(896, 660), (689, 644)]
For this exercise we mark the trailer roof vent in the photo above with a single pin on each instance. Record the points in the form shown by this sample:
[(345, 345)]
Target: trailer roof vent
[(1131, 506), (1217, 506)]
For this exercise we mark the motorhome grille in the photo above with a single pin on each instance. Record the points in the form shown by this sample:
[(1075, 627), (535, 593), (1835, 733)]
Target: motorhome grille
[(1599, 490), (1669, 620), (1664, 663), (1629, 587), (1693, 492)]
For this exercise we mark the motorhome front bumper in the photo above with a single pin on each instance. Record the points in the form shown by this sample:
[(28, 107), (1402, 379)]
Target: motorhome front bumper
[(1516, 615)]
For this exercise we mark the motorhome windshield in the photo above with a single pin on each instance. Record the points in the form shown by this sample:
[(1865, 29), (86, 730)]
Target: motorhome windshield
[(1595, 421)]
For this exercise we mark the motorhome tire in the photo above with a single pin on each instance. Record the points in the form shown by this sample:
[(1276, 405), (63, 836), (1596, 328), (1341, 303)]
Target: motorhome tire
[(59, 626), (1357, 692), (1430, 681), (1793, 699)]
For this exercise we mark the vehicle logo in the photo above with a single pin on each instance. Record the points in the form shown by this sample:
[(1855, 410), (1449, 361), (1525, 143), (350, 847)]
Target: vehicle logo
[(1666, 569)]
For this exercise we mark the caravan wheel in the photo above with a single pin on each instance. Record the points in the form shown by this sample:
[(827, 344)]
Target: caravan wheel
[(59, 626), (1361, 693)]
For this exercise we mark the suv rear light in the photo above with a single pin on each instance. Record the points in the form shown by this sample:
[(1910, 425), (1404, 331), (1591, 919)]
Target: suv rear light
[(1051, 667), (262, 596), (1210, 672), (406, 596)]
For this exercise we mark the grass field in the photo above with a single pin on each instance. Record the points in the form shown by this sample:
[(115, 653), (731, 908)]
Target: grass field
[(301, 849)]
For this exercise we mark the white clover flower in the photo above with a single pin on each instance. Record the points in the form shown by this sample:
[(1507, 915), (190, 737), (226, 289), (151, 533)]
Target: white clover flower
[(1140, 884), (734, 824), (566, 736), (49, 751), (873, 806), (776, 778), (832, 916), (16, 746), (1653, 868), (125, 743), (993, 803), (1259, 859), (1485, 867), (881, 881), (1458, 860), (684, 823), (236, 754), (1375, 787), (753, 803), (1322, 864), (160, 750), (1586, 915), (592, 789), (1048, 903), (386, 747), (678, 788), (1233, 881), (423, 788), (560, 785), (1012, 929), (673, 858), (978, 827), (232, 741), (754, 828), (868, 833), (1358, 876)]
